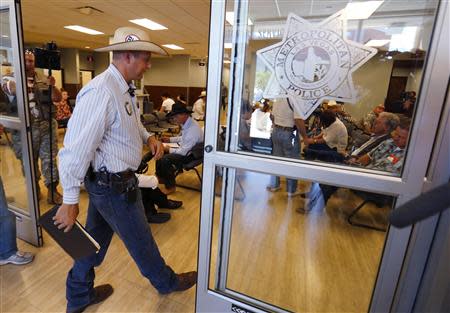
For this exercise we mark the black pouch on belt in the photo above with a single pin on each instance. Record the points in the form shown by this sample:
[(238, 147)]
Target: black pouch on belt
[(125, 183)]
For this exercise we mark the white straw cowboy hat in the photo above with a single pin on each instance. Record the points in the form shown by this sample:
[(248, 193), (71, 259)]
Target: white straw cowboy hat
[(132, 39)]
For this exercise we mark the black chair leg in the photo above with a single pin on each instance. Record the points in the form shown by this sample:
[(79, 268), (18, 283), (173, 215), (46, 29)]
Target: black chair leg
[(353, 223)]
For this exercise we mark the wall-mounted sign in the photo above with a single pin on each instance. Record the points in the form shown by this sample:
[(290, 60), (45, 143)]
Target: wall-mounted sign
[(314, 62)]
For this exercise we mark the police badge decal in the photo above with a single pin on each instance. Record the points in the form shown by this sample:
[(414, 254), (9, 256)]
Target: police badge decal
[(313, 63)]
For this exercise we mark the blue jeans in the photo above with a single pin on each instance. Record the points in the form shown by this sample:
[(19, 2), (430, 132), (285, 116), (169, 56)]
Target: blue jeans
[(284, 144), (110, 213), (8, 244)]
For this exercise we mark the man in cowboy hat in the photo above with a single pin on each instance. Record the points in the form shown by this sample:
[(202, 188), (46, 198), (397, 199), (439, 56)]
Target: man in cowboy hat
[(174, 158), (103, 147)]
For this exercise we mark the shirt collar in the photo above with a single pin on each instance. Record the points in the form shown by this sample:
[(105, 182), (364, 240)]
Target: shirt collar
[(118, 76), (187, 123)]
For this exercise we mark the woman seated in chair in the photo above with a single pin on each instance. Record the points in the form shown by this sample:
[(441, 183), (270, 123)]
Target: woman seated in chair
[(329, 145), (63, 111), (174, 158)]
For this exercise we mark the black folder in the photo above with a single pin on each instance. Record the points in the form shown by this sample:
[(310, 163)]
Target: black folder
[(78, 243)]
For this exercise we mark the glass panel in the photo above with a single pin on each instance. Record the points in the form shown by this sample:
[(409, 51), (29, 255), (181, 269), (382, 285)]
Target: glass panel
[(294, 250), (322, 82), (11, 171), (8, 104)]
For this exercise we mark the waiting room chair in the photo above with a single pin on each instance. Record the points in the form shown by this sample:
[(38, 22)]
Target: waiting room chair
[(196, 154), (367, 197)]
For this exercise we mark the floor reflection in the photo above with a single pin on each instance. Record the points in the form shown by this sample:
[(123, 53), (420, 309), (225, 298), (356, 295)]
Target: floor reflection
[(303, 262)]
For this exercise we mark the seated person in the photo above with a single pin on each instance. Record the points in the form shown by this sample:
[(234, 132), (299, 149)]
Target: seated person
[(329, 145), (151, 196), (63, 109), (356, 134), (383, 125), (173, 160), (369, 119), (389, 155), (167, 103)]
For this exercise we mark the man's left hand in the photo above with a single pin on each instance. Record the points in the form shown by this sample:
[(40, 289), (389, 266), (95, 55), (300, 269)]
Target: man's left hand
[(156, 147)]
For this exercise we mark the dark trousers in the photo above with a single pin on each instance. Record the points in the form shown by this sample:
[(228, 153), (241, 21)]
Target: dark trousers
[(322, 152), (110, 213), (168, 166), (152, 197)]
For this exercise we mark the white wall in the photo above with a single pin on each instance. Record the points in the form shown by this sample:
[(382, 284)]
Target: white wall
[(71, 65), (176, 71), (414, 77), (101, 60), (371, 83), (171, 71), (84, 63), (197, 74)]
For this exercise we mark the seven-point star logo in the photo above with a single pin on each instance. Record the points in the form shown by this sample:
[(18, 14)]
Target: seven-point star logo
[(313, 63)]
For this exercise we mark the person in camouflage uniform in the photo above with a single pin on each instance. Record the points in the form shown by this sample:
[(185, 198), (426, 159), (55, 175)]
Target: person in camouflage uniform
[(40, 109)]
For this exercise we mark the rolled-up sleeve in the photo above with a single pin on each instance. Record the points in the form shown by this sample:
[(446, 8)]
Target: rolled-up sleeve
[(86, 127)]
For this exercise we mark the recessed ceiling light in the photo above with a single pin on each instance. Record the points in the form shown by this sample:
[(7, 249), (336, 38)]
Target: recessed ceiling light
[(145, 22), (87, 47), (82, 29), (228, 45), (361, 10), (173, 47), (377, 42), (229, 17)]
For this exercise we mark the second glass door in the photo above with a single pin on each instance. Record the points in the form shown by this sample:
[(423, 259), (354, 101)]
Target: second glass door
[(298, 221)]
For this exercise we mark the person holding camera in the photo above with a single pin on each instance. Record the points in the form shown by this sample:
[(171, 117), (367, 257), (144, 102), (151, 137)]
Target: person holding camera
[(43, 136), (103, 147)]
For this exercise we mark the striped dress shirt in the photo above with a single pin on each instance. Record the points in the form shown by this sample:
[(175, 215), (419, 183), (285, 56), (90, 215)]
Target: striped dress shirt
[(105, 130), (192, 134)]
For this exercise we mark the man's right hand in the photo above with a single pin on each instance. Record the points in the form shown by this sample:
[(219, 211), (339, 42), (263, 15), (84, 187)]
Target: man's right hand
[(66, 216)]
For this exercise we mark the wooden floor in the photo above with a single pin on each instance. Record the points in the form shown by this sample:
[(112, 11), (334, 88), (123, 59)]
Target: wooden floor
[(313, 262)]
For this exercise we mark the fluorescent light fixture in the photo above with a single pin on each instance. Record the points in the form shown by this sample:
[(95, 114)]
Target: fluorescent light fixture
[(226, 61), (87, 47), (145, 22), (82, 29), (229, 17), (173, 47), (361, 10), (228, 45), (378, 42), (5, 36)]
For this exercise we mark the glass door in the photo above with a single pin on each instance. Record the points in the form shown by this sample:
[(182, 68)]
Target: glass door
[(16, 170), (332, 115)]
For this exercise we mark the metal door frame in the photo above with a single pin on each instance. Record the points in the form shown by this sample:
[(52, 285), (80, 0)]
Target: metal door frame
[(26, 222), (422, 139)]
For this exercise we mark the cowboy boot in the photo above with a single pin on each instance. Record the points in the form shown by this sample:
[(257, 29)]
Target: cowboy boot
[(53, 196)]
